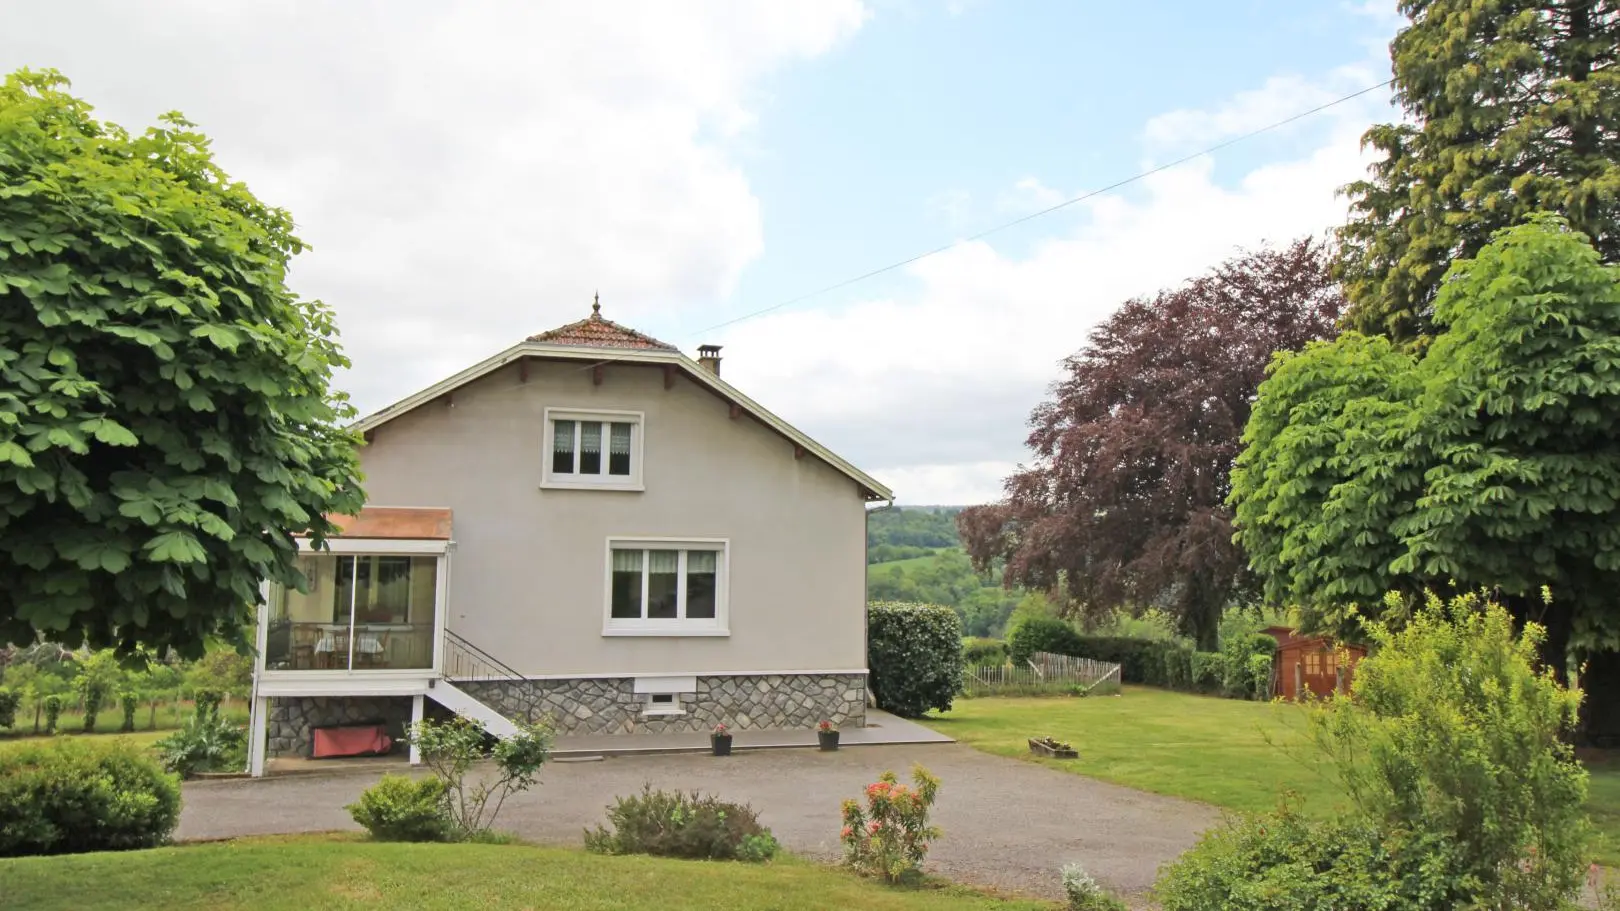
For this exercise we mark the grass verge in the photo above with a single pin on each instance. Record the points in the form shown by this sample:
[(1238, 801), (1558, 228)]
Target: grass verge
[(339, 871), (1233, 754)]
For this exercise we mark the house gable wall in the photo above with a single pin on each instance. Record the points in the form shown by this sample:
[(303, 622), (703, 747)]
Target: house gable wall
[(528, 566)]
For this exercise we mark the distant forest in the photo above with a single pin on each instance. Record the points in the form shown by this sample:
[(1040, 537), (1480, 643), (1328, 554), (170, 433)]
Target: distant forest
[(913, 554)]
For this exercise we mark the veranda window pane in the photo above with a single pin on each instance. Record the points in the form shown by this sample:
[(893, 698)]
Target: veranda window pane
[(701, 577), (590, 448), (562, 447), (663, 572), (619, 449), (626, 585)]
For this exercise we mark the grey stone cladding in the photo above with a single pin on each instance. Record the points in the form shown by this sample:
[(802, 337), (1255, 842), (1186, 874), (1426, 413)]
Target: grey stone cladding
[(610, 706), (291, 718)]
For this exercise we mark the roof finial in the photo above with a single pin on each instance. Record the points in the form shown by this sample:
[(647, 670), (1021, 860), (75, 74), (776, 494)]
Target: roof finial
[(596, 304)]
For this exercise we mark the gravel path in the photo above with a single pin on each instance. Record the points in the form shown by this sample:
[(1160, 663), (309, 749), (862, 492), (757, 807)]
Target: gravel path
[(1008, 824)]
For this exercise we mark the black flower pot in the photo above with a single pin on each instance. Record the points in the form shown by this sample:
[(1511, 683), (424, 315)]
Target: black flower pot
[(828, 740), (720, 744)]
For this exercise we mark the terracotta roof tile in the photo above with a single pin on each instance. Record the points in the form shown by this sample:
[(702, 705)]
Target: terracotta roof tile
[(594, 331)]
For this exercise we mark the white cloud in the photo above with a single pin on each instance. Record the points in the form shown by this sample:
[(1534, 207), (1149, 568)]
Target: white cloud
[(468, 173), (1279, 98), (930, 390), (1029, 195)]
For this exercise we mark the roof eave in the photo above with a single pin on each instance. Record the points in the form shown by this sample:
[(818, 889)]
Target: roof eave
[(871, 489)]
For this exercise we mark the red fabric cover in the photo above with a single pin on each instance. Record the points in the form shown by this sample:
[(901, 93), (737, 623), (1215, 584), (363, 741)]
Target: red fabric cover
[(351, 741)]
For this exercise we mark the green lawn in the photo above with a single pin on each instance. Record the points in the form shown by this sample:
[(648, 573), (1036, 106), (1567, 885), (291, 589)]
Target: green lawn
[(910, 565), (1233, 754), (110, 719), (301, 873)]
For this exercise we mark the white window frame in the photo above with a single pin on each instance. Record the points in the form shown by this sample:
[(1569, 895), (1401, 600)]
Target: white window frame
[(604, 481), (679, 626)]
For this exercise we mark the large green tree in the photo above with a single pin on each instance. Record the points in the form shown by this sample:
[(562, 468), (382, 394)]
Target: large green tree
[(1492, 459), (1512, 107), (167, 422)]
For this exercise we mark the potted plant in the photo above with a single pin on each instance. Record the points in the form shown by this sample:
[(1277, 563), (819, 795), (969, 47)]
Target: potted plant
[(720, 741), (827, 735)]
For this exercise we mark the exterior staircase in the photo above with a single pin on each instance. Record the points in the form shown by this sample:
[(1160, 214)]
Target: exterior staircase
[(465, 661)]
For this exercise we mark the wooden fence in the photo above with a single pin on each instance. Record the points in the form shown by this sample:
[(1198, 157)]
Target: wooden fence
[(1043, 673)]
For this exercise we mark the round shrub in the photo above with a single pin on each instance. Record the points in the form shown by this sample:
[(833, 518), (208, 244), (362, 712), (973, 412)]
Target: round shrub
[(914, 652), (682, 824), (72, 796), (400, 808), (1042, 634)]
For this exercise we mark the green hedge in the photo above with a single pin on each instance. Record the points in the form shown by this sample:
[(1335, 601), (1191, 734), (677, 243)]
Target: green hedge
[(1236, 671), (914, 653), (984, 652), (8, 708), (72, 796), (1042, 634)]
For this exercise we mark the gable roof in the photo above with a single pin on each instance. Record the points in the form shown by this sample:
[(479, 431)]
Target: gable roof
[(597, 332), (606, 342)]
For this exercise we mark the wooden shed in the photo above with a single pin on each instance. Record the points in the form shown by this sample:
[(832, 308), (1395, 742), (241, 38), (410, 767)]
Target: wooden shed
[(1314, 664)]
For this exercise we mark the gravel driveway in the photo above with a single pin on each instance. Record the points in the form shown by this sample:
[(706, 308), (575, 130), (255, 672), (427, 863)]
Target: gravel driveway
[(1008, 824)]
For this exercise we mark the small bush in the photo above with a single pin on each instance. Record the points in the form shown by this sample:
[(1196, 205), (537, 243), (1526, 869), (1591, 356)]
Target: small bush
[(204, 744), (450, 748), (8, 708), (400, 808), (1041, 634), (1246, 666), (889, 837), (206, 703), (682, 824), (94, 692), (1085, 894), (1283, 862), (915, 655), (53, 711), (73, 795), (984, 652)]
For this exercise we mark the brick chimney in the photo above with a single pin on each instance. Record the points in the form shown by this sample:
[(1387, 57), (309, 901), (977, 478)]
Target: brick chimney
[(709, 358)]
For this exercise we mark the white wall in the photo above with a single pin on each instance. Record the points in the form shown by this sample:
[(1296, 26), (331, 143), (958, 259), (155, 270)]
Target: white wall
[(527, 570)]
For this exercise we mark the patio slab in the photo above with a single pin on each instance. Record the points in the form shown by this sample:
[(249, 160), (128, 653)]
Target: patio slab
[(881, 728)]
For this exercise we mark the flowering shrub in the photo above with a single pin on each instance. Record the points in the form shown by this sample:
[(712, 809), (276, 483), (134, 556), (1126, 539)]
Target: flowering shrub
[(720, 731), (889, 838), (826, 727)]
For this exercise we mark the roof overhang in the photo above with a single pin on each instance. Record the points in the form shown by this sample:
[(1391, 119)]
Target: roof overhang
[(871, 489)]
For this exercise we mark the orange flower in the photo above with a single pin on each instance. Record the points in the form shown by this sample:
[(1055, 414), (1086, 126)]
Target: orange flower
[(846, 832)]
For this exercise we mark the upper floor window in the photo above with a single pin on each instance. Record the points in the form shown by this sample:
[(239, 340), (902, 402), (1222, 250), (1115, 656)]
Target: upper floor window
[(599, 449)]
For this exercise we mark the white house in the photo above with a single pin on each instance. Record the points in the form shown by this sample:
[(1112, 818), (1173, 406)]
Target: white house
[(589, 526)]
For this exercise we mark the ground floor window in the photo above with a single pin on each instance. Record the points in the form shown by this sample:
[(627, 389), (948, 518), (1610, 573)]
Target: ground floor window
[(666, 587)]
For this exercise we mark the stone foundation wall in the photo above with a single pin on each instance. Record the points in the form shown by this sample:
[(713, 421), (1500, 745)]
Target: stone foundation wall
[(291, 719), (585, 706)]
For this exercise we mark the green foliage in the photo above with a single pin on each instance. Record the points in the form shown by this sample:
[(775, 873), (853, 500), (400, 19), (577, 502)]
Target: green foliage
[(1463, 793), (914, 652), (400, 808), (911, 527), (1042, 634), (129, 702), (984, 652), (889, 837), (1245, 666), (682, 824), (74, 795), (167, 422), (1510, 108), (1493, 459), (449, 749), (945, 577), (8, 708), (1452, 732), (207, 703), (1206, 669), (1284, 862), (53, 711), (223, 670), (93, 692), (205, 743)]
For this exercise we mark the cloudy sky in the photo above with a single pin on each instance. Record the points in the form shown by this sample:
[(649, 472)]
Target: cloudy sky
[(470, 172)]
